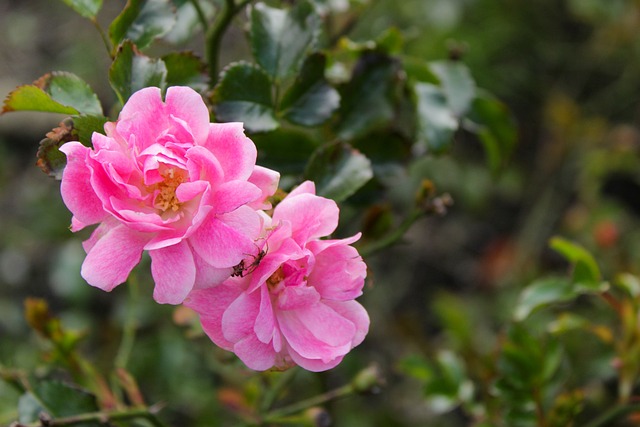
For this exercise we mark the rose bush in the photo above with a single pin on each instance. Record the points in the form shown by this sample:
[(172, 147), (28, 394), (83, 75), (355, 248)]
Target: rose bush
[(293, 303), (166, 180)]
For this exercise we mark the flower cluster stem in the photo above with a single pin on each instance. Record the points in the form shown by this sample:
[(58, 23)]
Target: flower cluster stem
[(339, 392)]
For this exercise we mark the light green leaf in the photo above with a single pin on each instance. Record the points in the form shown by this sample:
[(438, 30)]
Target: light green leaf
[(87, 8), (280, 39), (586, 271), (338, 171), (142, 21), (244, 94), (541, 293), (56, 92), (132, 71), (311, 100), (436, 122), (457, 84)]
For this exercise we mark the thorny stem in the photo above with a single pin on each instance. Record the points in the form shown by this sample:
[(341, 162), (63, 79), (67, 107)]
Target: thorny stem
[(130, 326), (215, 33), (339, 392), (102, 417), (103, 35)]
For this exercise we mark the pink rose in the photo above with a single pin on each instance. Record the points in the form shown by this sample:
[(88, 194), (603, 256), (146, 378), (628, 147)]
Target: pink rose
[(165, 180), (295, 302)]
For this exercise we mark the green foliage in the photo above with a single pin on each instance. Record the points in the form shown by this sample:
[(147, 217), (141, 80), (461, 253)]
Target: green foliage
[(56, 399), (87, 8), (141, 22)]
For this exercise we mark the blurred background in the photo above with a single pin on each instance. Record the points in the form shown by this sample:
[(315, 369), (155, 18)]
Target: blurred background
[(569, 71)]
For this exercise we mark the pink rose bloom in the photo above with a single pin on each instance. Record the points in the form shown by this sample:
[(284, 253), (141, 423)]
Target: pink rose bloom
[(165, 180), (295, 303)]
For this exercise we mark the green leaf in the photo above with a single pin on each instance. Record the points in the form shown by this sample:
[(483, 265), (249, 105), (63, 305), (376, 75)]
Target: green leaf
[(457, 84), (50, 159), (57, 399), (435, 121), (142, 21), (629, 283), (586, 271), (185, 69), (495, 126), (338, 171), (85, 126), (280, 39), (132, 71), (243, 94), (286, 150), (448, 385), (87, 8), (368, 100), (541, 293), (56, 92), (187, 21), (311, 100)]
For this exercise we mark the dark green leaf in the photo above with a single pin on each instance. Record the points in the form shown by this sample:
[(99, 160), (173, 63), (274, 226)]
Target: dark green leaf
[(132, 71), (286, 150), (57, 92), (368, 100), (187, 21), (541, 293), (586, 271), (338, 171), (142, 21), (57, 399), (496, 128), (418, 69), (390, 41), (85, 126), (243, 94), (457, 85), (310, 101), (185, 69), (435, 120), (280, 39), (50, 159), (448, 385), (87, 8)]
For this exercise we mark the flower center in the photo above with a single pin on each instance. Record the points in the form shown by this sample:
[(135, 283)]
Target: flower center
[(275, 278), (166, 198)]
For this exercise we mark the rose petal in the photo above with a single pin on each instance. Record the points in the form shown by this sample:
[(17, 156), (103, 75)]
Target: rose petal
[(355, 312), (235, 152), (211, 304), (310, 216), (187, 104), (267, 181), (255, 354), (112, 258), (143, 118), (174, 273), (239, 319)]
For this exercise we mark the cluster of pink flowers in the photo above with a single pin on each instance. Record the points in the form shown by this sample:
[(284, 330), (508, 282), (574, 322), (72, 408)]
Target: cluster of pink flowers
[(272, 289)]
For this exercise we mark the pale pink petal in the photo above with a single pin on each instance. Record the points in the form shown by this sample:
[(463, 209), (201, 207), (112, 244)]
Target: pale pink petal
[(314, 365), (339, 272), (307, 187), (99, 232), (297, 297), (207, 275), (190, 190), (76, 189), (233, 194), (187, 104), (211, 304), (255, 354), (174, 273), (353, 311), (143, 118), (310, 216), (317, 332), (240, 317), (235, 152), (112, 258), (267, 181), (220, 244), (265, 321)]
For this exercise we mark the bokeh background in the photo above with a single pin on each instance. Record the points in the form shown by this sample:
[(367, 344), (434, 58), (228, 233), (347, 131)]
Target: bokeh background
[(568, 69)]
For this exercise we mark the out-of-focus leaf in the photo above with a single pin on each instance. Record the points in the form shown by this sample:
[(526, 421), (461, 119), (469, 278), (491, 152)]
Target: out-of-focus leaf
[(496, 128), (56, 92), (142, 21), (390, 41), (457, 85), (367, 101), (542, 293), (418, 69), (567, 322), (586, 271), (629, 283), (187, 21), (338, 171), (56, 399), (435, 121), (185, 69), (87, 8), (311, 100), (416, 367), (132, 71), (280, 39), (455, 320), (286, 150), (243, 94), (448, 385)]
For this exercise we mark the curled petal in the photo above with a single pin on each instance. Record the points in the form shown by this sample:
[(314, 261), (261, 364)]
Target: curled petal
[(187, 104)]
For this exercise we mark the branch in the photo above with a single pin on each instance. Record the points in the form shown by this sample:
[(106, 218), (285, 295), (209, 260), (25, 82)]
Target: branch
[(102, 417)]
